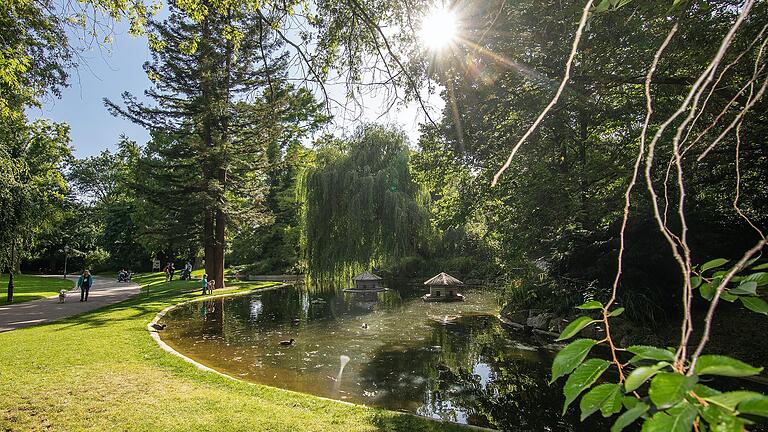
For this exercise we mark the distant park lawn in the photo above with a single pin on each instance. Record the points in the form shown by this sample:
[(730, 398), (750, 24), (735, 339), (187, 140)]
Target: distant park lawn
[(26, 287), (102, 371)]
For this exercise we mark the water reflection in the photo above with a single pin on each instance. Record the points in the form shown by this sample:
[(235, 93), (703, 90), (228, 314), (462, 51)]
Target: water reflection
[(451, 361)]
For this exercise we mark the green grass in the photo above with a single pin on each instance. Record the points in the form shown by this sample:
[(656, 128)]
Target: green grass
[(102, 371), (26, 288)]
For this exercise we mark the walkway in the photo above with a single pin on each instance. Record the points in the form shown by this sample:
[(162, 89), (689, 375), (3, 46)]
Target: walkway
[(105, 291)]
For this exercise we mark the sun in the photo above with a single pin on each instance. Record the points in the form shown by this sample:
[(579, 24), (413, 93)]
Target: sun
[(438, 29)]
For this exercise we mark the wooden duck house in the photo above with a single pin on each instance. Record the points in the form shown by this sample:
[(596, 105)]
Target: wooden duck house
[(443, 287), (366, 282)]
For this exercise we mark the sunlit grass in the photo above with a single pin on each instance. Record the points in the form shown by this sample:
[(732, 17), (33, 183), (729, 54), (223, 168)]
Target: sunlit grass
[(102, 371), (26, 288)]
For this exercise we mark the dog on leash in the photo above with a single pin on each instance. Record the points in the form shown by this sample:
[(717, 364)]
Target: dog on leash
[(62, 296)]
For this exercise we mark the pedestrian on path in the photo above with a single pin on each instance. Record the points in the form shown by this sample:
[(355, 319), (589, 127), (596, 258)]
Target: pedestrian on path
[(171, 270), (85, 283), (167, 272), (205, 283)]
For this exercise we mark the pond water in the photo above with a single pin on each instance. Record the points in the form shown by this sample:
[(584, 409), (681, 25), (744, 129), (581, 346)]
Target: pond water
[(449, 361)]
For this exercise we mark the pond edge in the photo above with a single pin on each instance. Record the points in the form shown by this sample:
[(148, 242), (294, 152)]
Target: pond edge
[(167, 348)]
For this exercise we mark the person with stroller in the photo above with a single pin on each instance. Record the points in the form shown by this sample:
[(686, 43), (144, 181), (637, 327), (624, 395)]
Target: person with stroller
[(124, 275), (186, 274)]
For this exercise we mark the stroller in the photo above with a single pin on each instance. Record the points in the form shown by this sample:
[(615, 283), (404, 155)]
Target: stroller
[(124, 276), (186, 273)]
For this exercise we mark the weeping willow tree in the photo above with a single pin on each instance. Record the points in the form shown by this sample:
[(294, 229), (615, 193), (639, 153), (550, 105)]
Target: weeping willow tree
[(360, 206)]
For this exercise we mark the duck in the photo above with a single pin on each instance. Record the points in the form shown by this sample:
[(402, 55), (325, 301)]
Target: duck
[(157, 326), (365, 325), (296, 321), (287, 342)]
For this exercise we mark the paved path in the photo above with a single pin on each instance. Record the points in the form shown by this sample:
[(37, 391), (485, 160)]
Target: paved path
[(105, 291)]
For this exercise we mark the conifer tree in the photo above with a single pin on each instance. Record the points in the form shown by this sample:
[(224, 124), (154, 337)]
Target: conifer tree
[(204, 162)]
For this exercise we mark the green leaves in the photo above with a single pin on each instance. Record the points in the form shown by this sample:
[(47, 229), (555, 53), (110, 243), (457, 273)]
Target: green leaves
[(713, 264), (755, 304), (640, 375), (680, 419), (605, 397), (570, 357), (761, 278), (731, 399), (745, 291), (594, 304), (745, 288), (674, 400), (757, 406), (575, 327), (616, 312), (651, 353), (724, 366), (582, 378), (629, 416), (668, 389), (708, 290)]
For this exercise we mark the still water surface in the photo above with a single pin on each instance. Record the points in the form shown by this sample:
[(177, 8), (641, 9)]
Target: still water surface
[(449, 361)]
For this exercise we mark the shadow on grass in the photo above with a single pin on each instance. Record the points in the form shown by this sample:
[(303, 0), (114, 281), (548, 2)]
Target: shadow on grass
[(133, 314)]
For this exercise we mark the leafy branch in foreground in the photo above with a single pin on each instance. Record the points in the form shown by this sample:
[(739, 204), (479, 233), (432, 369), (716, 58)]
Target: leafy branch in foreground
[(667, 396), (661, 386)]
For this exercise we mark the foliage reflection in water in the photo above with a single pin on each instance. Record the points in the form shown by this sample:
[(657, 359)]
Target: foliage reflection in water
[(450, 361)]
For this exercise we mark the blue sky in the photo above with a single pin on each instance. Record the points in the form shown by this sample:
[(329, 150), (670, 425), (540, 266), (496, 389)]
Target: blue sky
[(107, 73), (102, 74)]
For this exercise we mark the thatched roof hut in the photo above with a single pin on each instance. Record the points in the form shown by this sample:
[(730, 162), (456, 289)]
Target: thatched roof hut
[(366, 281), (443, 288), (366, 276), (443, 279)]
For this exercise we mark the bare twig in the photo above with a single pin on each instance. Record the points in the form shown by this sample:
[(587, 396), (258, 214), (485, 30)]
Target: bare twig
[(628, 193), (566, 77)]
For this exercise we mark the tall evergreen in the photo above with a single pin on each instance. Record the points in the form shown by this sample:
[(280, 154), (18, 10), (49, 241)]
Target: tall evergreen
[(203, 163)]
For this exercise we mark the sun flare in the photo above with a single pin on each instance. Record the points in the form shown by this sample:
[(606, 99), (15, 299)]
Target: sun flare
[(438, 29)]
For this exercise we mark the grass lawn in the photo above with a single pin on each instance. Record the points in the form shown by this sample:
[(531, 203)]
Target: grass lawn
[(102, 371), (26, 288)]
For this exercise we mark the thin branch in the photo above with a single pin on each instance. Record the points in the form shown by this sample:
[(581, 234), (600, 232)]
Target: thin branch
[(566, 77), (628, 192), (713, 305)]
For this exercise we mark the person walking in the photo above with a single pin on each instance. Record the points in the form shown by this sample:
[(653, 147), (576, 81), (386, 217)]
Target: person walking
[(171, 270), (205, 283), (85, 283), (166, 270)]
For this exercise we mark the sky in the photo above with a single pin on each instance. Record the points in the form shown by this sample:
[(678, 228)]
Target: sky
[(108, 73)]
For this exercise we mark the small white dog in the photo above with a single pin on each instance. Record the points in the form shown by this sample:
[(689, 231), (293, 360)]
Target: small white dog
[(62, 296)]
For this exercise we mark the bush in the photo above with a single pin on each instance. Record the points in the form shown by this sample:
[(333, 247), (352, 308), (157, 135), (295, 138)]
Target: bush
[(97, 260)]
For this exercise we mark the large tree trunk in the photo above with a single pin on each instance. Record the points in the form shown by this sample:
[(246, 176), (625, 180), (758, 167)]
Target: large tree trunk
[(219, 248), (209, 244), (221, 174)]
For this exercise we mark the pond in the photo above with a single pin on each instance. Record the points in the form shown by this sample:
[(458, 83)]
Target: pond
[(448, 361)]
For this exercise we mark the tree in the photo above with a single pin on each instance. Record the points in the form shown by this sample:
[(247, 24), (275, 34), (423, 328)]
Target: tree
[(562, 202), (360, 206), (103, 185), (272, 245), (33, 186), (207, 159)]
